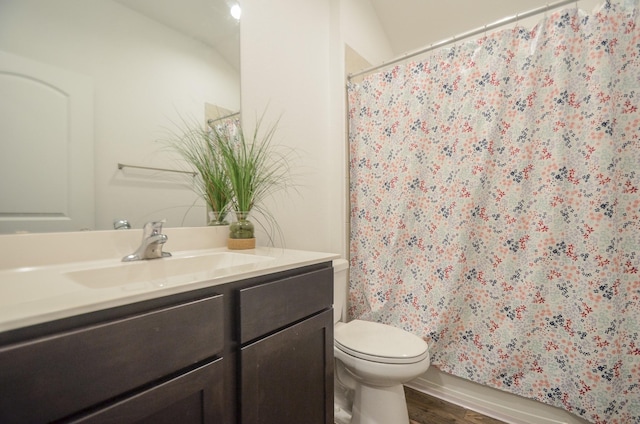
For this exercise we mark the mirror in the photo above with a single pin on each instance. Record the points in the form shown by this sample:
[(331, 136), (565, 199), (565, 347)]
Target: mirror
[(89, 85)]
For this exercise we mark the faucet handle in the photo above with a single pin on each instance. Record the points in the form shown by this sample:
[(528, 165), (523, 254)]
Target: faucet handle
[(153, 228), (121, 224)]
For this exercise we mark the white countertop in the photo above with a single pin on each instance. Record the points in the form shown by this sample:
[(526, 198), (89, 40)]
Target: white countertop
[(32, 295)]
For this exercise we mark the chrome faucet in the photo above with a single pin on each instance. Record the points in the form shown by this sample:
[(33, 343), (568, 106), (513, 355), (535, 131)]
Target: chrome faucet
[(151, 246)]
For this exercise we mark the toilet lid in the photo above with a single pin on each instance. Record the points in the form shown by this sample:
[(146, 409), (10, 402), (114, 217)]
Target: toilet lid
[(379, 342)]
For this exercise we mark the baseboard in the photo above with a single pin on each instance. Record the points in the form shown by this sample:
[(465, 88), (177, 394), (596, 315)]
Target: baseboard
[(503, 406)]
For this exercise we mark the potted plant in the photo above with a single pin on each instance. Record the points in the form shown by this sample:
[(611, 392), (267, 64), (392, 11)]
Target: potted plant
[(255, 169), (198, 148)]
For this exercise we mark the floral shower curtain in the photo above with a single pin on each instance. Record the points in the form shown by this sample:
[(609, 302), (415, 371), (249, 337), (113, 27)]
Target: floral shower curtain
[(495, 208)]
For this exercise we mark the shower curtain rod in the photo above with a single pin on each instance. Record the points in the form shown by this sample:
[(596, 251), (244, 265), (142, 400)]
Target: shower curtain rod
[(231, 115), (456, 38)]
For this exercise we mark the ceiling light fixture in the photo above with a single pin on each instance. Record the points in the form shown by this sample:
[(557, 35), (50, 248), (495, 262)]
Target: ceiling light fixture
[(236, 11)]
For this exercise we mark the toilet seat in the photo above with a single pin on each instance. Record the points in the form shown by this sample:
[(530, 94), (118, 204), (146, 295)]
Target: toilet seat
[(378, 342)]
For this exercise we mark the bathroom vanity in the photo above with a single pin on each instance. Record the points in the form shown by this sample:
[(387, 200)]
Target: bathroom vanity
[(253, 346)]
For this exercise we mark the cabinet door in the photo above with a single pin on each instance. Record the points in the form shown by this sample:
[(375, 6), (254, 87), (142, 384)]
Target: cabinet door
[(287, 377), (191, 398)]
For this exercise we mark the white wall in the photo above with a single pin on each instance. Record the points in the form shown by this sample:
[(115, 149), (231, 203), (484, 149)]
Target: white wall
[(144, 75), (363, 32), (287, 67)]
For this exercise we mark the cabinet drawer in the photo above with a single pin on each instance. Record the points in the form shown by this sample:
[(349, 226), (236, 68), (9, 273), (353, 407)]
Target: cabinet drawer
[(54, 376), (268, 307)]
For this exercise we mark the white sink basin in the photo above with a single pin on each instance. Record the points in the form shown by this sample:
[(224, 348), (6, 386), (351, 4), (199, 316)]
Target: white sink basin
[(167, 271)]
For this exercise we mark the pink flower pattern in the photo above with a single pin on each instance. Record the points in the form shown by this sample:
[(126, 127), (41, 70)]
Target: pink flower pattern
[(495, 208)]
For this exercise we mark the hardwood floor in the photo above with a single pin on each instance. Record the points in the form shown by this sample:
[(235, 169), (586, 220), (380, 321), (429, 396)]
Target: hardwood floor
[(424, 409)]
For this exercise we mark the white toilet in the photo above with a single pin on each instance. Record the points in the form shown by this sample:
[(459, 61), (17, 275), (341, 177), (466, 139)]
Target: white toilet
[(373, 360)]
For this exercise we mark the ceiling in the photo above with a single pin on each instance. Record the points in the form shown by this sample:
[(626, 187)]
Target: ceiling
[(409, 24), (206, 20), (413, 24)]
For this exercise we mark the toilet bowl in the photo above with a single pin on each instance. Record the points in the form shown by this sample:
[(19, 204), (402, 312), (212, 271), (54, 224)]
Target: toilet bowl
[(373, 360)]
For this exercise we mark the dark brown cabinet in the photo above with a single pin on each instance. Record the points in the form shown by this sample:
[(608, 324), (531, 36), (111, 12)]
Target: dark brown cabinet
[(286, 355), (287, 377), (59, 375), (252, 351)]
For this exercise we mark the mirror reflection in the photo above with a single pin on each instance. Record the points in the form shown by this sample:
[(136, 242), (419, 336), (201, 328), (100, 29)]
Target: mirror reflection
[(86, 85)]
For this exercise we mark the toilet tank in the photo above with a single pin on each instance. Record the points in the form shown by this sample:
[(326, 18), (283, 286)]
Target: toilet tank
[(340, 289)]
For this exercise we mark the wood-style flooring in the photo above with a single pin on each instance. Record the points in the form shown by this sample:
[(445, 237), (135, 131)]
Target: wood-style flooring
[(424, 409)]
